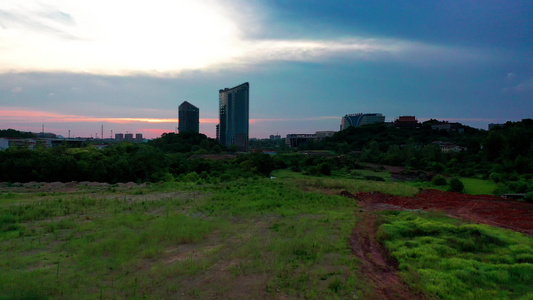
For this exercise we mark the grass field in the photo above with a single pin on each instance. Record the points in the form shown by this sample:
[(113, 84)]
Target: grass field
[(286, 237), (476, 186), (262, 237)]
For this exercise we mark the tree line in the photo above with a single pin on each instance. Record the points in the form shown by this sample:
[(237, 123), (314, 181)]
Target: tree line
[(503, 154)]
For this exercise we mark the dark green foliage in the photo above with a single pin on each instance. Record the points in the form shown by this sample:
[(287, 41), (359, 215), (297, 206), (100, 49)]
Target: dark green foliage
[(324, 168), (456, 186), (185, 142), (439, 180), (12, 133), (529, 197), (374, 178), (256, 162)]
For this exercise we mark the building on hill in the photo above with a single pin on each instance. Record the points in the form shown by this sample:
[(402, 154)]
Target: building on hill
[(189, 118), (320, 135), (234, 116), (449, 127), (360, 119), (494, 125), (406, 122), (294, 140)]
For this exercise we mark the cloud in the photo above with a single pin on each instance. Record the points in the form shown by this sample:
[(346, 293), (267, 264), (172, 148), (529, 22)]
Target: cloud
[(167, 37), (525, 86), (39, 19), (16, 90), (510, 75)]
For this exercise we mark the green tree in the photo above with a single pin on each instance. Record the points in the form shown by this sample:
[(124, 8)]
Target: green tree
[(456, 186)]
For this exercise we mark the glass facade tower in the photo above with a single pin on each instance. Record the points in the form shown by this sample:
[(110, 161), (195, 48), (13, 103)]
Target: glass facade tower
[(189, 118), (357, 120), (234, 116)]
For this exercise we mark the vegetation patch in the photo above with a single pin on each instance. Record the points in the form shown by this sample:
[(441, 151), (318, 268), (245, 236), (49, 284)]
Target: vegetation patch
[(450, 259), (476, 186)]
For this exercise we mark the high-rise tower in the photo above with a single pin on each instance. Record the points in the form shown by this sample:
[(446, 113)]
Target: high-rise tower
[(234, 116), (189, 118)]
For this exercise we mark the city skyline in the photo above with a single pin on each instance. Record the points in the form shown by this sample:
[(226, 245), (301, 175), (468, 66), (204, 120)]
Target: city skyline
[(75, 66)]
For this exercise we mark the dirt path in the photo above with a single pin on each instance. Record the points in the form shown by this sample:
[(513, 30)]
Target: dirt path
[(375, 264)]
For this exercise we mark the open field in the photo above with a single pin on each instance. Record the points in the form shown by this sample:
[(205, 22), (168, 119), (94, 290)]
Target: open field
[(289, 237), (256, 238), (476, 186)]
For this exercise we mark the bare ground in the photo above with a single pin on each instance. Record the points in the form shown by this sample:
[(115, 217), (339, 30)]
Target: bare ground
[(375, 264)]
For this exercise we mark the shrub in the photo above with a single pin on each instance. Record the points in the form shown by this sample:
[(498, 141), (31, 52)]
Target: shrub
[(529, 197), (439, 180), (456, 186), (324, 168), (374, 178)]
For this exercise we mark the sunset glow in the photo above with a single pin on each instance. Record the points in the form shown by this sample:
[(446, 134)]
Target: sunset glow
[(76, 66), (39, 116)]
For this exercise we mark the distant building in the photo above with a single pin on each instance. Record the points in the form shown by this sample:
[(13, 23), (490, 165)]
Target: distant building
[(445, 126), (119, 136), (295, 140), (138, 136), (128, 137), (234, 116), (406, 122), (357, 120), (320, 135), (493, 125), (189, 118), (448, 147), (275, 137)]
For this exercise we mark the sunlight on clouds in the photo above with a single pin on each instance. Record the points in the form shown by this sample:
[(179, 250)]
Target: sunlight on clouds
[(114, 36), (160, 37)]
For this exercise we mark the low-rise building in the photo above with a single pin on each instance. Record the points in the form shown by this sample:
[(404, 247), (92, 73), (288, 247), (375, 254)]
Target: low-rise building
[(295, 140), (360, 119), (406, 122)]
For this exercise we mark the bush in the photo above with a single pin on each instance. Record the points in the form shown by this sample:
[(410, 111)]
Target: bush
[(374, 178), (456, 186), (324, 168), (439, 180), (529, 197)]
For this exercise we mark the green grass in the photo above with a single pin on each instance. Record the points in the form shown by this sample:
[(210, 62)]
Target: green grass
[(286, 237), (202, 241), (349, 184), (449, 259), (476, 186)]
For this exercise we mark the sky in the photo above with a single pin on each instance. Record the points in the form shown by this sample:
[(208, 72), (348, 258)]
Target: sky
[(77, 66)]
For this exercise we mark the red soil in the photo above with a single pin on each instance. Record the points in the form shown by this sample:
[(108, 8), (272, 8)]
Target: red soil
[(491, 210)]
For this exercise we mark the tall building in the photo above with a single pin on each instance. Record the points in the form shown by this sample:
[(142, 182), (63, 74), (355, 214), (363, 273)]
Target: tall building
[(234, 116), (356, 120), (189, 118)]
